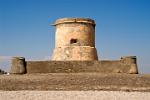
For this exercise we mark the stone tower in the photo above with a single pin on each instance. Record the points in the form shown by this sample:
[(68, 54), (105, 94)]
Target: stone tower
[(75, 40)]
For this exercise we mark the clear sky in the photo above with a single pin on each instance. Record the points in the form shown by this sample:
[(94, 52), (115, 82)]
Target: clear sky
[(122, 27)]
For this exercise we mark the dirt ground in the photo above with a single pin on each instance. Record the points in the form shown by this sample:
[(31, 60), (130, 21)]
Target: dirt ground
[(73, 95), (75, 81)]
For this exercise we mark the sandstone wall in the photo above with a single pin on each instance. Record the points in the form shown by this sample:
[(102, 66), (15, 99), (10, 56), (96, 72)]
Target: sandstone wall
[(72, 53), (75, 40), (82, 32), (78, 66)]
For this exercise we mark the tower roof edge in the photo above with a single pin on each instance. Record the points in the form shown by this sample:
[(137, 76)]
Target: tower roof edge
[(74, 20)]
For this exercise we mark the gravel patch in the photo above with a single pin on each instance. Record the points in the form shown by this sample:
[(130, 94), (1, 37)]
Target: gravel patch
[(73, 95)]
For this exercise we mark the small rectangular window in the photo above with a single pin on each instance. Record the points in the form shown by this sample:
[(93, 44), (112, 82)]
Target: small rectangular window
[(72, 41)]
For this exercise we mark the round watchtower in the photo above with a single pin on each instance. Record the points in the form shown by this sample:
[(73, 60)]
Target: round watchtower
[(75, 39)]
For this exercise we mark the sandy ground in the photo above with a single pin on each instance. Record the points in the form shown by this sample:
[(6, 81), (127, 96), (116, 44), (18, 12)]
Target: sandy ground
[(73, 95)]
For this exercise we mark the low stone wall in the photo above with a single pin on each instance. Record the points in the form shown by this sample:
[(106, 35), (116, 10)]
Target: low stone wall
[(125, 65), (78, 66)]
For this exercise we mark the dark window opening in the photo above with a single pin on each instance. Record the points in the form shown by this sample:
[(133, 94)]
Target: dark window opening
[(72, 41)]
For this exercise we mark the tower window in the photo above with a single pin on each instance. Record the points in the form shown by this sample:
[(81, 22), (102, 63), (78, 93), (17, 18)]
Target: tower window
[(72, 41)]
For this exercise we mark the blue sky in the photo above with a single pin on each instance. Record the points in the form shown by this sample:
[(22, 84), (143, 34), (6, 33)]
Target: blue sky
[(122, 27)]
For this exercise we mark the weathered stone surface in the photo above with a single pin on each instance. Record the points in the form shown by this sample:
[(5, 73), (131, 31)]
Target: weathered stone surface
[(132, 62), (18, 65), (76, 81), (75, 37), (79, 66), (71, 52)]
